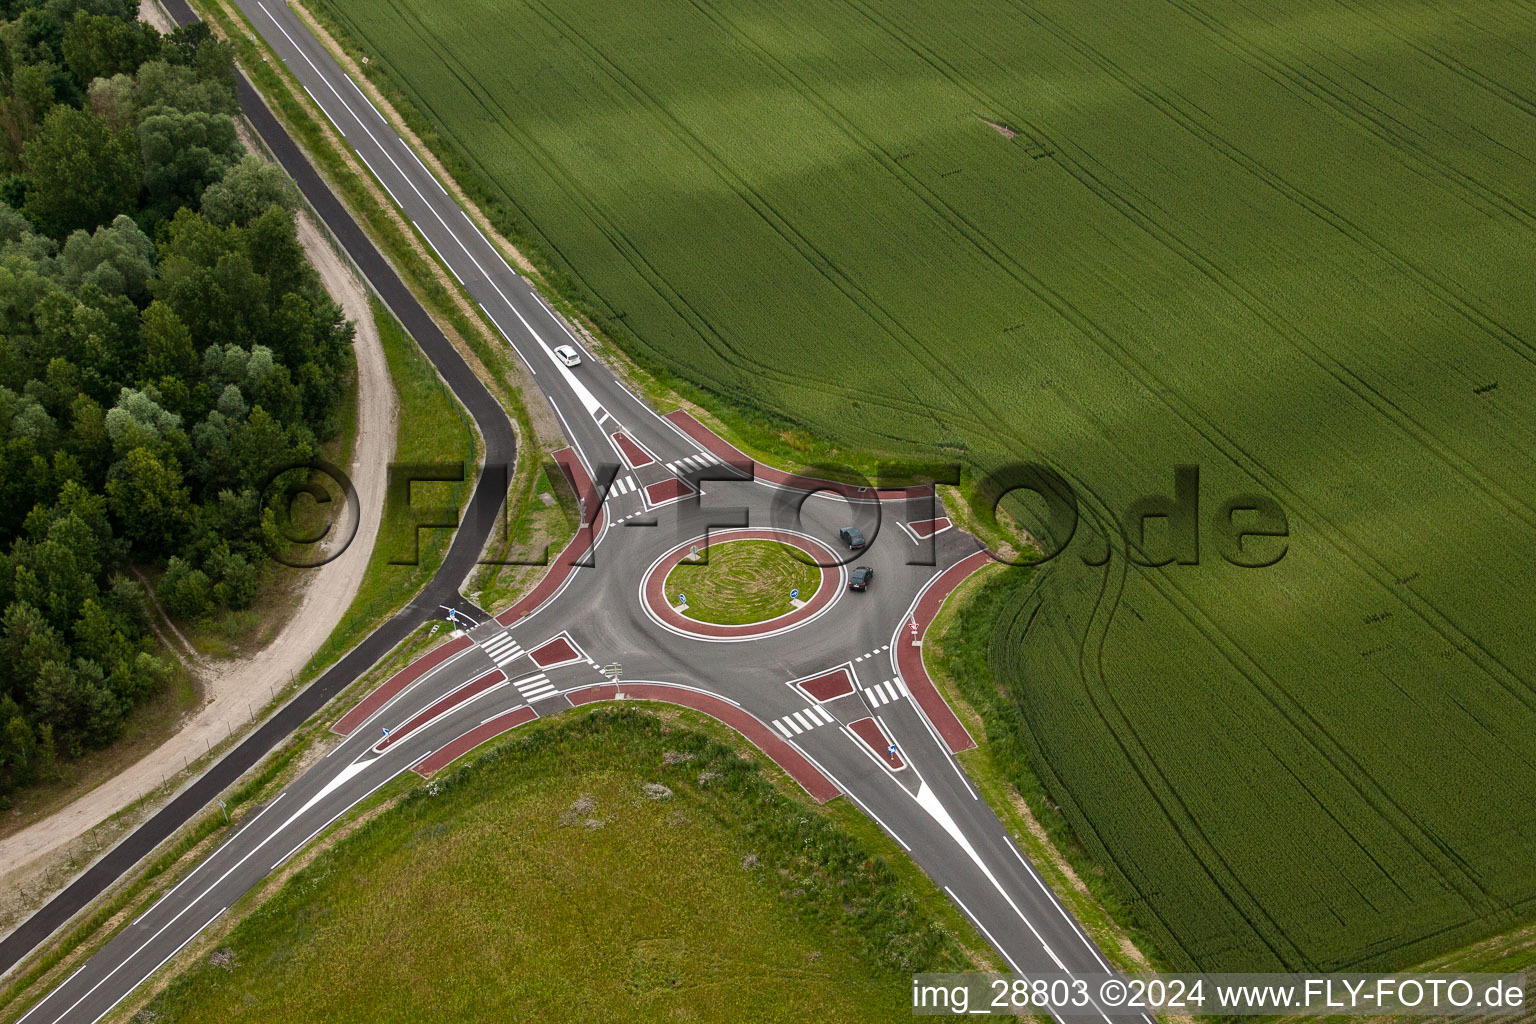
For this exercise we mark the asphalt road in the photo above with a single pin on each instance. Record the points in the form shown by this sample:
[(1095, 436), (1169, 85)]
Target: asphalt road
[(881, 744)]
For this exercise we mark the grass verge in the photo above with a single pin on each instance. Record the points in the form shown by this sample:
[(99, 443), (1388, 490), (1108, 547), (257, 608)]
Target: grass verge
[(955, 652), (431, 428), (564, 875)]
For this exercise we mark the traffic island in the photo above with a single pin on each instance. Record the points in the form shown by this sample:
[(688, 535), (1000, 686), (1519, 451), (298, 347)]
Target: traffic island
[(742, 584)]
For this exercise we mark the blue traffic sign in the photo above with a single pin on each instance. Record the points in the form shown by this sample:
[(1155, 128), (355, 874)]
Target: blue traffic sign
[(794, 593)]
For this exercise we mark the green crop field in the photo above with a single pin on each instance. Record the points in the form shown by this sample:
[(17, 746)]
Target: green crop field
[(1293, 245)]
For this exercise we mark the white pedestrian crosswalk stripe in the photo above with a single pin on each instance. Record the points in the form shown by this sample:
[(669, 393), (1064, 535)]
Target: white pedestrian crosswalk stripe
[(884, 693), (797, 722), (623, 485), (502, 649), (871, 654), (535, 687), (693, 462)]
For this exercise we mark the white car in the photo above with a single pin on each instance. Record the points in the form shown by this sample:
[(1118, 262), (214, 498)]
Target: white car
[(568, 355)]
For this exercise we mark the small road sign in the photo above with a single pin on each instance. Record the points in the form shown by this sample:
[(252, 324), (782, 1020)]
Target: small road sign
[(794, 593)]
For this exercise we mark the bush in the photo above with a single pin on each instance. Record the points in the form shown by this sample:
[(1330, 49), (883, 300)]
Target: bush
[(184, 592)]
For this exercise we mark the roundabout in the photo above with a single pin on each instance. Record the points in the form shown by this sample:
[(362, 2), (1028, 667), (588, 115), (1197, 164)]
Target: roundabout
[(740, 585)]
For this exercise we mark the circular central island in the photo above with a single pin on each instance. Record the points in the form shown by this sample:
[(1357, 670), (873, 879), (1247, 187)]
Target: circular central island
[(742, 584)]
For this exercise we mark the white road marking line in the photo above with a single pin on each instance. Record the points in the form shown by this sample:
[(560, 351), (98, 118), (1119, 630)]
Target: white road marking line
[(892, 689), (928, 801), (977, 922), (499, 714), (780, 726), (809, 723), (157, 966), (455, 273), (581, 391), (902, 686), (792, 724), (821, 712), (345, 774)]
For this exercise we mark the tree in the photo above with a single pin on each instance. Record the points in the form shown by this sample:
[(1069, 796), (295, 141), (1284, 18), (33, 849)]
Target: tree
[(83, 173), (97, 45), (183, 152), (18, 744), (27, 642), (118, 259), (25, 98), (75, 698), (248, 190), (184, 592), (166, 343), (152, 506), (139, 421)]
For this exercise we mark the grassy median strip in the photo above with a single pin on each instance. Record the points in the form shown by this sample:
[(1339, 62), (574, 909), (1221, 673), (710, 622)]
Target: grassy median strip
[(741, 581), (431, 429), (613, 865)]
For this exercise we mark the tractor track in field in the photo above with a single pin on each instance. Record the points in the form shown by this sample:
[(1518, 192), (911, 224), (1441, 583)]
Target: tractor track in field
[(703, 328), (1347, 545)]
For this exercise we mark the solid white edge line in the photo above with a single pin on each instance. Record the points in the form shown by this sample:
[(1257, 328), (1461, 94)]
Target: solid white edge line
[(161, 964)]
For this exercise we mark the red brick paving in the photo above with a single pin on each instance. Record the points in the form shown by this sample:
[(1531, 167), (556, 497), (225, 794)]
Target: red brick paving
[(666, 490), (765, 739), (577, 549), (457, 748), (929, 527), (558, 651), (397, 682), (868, 730), (909, 659), (660, 602), (828, 685), (452, 700), (632, 452)]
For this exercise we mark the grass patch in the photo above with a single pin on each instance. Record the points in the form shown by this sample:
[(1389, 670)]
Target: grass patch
[(741, 581), (543, 881)]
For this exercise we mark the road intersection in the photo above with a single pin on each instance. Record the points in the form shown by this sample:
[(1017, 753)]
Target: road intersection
[(835, 692)]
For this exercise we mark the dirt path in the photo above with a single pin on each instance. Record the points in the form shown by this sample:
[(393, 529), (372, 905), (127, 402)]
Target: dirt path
[(234, 690)]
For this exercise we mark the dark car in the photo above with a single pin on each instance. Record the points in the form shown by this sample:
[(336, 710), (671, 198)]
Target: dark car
[(852, 537), (860, 577)]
